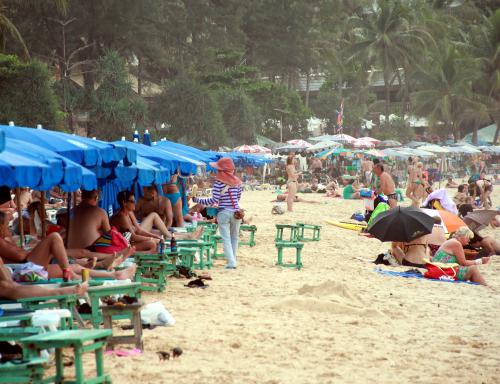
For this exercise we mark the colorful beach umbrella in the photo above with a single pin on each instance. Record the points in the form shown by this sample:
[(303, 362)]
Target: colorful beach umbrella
[(449, 221), (343, 138), (244, 149), (480, 218), (362, 143), (323, 145), (299, 143), (261, 149), (389, 143)]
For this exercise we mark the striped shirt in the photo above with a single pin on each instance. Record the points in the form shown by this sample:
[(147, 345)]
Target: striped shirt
[(220, 197)]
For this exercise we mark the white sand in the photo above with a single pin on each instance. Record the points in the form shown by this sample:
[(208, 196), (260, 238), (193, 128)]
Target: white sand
[(335, 321)]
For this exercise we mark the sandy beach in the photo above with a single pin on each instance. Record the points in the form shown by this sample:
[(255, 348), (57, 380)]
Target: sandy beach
[(335, 321)]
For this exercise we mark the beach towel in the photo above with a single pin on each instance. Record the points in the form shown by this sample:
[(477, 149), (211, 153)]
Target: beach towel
[(413, 274), (444, 200)]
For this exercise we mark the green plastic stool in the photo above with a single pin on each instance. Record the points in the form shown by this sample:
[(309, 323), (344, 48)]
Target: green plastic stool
[(298, 253), (31, 371), (80, 341), (303, 236), (280, 232), (216, 240), (251, 229)]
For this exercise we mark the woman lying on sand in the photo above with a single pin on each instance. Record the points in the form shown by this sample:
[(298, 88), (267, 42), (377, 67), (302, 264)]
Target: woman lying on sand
[(452, 251)]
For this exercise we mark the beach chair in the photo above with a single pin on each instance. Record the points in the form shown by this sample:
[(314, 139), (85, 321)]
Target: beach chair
[(251, 229), (81, 341), (52, 302), (304, 234), (25, 371)]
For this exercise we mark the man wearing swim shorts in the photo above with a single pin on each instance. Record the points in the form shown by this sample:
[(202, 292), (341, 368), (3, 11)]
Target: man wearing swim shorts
[(386, 185)]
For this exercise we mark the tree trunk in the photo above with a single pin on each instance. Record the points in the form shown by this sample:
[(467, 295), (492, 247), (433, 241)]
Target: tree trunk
[(474, 132), (308, 85), (139, 76), (387, 86), (496, 118)]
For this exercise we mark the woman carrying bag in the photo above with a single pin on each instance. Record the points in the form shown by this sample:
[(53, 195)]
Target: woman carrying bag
[(226, 194)]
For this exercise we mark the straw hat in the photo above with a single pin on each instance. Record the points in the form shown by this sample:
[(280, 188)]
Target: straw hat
[(225, 172)]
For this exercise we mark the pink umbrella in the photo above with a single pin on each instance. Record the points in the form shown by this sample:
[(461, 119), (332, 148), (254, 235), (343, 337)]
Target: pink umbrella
[(260, 149), (299, 143), (245, 149), (360, 143), (343, 138)]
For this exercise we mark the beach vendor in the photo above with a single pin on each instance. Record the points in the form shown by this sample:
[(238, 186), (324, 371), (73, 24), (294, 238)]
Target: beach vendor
[(226, 195), (452, 251)]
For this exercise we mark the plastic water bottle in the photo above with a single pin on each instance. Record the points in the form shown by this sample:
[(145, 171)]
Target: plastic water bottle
[(173, 244), (161, 246)]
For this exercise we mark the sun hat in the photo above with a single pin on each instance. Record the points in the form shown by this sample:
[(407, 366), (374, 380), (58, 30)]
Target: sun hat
[(225, 172)]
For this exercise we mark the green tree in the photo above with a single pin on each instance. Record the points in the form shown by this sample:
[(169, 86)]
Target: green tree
[(192, 113), (26, 94), (7, 28), (387, 40), (115, 107), (445, 89)]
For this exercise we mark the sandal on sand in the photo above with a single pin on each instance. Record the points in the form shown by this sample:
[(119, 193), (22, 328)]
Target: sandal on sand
[(197, 283)]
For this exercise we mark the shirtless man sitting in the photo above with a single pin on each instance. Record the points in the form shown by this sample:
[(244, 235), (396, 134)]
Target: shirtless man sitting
[(151, 202), (87, 224), (386, 185)]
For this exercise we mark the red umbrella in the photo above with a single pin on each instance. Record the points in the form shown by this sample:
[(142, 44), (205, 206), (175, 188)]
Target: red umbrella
[(260, 149)]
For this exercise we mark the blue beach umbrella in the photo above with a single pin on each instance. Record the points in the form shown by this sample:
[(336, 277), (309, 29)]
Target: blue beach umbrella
[(69, 175), (79, 149), (171, 162), (21, 171), (186, 150)]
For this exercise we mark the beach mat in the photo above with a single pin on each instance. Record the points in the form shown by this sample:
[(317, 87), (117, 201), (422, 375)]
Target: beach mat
[(417, 276), (350, 226)]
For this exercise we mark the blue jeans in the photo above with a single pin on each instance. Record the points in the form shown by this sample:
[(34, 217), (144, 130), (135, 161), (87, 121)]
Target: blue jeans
[(229, 229)]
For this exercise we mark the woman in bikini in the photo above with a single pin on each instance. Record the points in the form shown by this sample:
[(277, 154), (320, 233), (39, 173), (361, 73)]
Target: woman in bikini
[(292, 181), (452, 251), (172, 193)]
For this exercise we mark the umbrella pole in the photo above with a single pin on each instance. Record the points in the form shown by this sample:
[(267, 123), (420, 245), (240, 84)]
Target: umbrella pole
[(68, 209), (44, 215), (20, 216)]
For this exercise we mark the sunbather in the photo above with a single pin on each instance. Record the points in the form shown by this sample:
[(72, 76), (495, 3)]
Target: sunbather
[(452, 251), (9, 289), (142, 236), (151, 202)]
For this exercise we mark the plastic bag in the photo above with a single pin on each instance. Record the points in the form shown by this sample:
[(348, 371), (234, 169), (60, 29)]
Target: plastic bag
[(156, 314)]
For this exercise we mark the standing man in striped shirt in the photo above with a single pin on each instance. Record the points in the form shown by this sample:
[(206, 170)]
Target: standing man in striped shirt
[(226, 194)]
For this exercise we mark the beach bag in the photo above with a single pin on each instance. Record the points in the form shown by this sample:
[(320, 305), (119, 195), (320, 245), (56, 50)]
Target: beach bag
[(240, 214), (111, 242), (441, 271)]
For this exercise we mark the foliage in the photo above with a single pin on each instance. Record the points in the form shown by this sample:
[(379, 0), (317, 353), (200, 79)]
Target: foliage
[(26, 95), (192, 113), (396, 130), (115, 107)]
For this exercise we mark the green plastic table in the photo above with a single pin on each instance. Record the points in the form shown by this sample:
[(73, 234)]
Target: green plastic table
[(80, 341), (95, 293)]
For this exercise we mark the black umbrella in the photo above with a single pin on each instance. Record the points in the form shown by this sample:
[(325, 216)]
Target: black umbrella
[(401, 224)]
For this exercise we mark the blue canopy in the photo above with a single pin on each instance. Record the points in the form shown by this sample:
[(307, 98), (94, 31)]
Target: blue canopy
[(145, 172), (2, 140), (53, 169), (172, 162), (186, 150), (81, 150)]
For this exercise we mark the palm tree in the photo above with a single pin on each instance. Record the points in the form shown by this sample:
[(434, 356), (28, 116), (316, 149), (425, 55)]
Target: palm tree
[(485, 48), (8, 28), (388, 40), (445, 88)]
